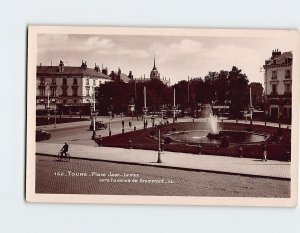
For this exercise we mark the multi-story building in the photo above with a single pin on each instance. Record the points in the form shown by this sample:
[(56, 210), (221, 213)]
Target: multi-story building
[(278, 86), (67, 88)]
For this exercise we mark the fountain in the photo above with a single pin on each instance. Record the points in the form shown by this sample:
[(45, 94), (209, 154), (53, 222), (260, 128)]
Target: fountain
[(214, 130), (212, 135)]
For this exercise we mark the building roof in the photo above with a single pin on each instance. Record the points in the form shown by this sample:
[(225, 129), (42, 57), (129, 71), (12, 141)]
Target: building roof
[(281, 59), (124, 78), (70, 70)]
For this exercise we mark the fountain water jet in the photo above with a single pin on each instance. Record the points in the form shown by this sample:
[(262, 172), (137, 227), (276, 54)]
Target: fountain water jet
[(213, 122)]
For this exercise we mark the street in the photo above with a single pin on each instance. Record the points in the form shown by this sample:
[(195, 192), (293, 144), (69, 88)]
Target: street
[(97, 177), (80, 133)]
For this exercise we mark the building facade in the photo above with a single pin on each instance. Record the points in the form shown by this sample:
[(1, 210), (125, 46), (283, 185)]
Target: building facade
[(278, 86), (154, 74), (67, 89)]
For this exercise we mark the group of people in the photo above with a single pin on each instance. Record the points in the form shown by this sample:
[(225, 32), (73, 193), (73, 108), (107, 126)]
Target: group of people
[(264, 154)]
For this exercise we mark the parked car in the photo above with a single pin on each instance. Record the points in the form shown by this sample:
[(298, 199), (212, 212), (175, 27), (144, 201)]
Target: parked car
[(99, 125), (42, 135)]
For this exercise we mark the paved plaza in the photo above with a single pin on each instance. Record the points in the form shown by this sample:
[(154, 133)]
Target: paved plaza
[(210, 163)]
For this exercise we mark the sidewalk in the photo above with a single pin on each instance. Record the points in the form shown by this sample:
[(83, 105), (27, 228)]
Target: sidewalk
[(79, 123), (209, 163)]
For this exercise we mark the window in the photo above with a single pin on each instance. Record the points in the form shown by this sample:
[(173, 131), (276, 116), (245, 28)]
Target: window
[(42, 91), (87, 91), (288, 74), (87, 82), (94, 82), (75, 89), (75, 81), (274, 74), (64, 81), (53, 82), (64, 91), (53, 91), (42, 81), (287, 88), (274, 88)]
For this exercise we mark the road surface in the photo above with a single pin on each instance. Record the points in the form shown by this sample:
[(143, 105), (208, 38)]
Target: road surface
[(96, 177)]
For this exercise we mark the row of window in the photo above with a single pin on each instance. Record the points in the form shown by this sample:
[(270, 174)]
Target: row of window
[(287, 88), (287, 74), (53, 81), (53, 91)]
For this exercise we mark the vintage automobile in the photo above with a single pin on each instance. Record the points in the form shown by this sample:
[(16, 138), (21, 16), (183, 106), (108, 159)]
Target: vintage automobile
[(99, 125), (42, 135)]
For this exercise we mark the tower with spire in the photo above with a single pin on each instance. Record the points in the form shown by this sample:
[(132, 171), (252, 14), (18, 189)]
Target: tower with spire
[(154, 74)]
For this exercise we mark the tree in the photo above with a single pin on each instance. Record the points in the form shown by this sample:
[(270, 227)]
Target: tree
[(257, 95), (238, 91)]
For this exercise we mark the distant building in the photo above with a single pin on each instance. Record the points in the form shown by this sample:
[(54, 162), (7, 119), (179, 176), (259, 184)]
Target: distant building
[(119, 76), (278, 86), (67, 88), (154, 74)]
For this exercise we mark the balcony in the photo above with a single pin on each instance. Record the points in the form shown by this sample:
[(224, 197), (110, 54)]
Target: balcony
[(274, 94)]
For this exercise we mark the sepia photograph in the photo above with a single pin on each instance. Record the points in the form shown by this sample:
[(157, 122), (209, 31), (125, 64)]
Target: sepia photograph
[(162, 116)]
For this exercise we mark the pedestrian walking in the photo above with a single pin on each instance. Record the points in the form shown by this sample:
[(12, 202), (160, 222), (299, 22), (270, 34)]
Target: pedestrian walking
[(146, 123), (123, 124), (129, 124), (241, 152), (265, 153)]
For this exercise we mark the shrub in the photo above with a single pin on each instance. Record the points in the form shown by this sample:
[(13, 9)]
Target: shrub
[(167, 140)]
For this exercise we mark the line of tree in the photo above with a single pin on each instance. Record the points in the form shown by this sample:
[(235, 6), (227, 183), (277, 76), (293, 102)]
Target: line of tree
[(218, 88)]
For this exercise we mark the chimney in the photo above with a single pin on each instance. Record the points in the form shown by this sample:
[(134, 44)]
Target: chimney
[(130, 75), (83, 65), (61, 66), (275, 53), (104, 71), (97, 68)]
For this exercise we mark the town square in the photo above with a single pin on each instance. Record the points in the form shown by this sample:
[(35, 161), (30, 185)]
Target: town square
[(186, 116)]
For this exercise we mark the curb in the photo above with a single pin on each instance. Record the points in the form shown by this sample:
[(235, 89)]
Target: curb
[(172, 167)]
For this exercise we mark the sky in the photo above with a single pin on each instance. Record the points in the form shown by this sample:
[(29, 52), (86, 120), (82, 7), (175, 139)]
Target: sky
[(177, 57)]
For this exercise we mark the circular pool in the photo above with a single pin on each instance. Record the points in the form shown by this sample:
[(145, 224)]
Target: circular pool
[(204, 137)]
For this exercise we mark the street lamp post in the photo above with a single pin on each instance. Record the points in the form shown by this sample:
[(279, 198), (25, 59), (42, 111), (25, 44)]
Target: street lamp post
[(109, 121), (159, 147), (93, 115), (251, 107), (174, 108), (145, 110), (55, 112), (48, 103)]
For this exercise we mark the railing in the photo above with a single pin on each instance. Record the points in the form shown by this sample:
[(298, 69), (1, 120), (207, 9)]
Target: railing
[(273, 93)]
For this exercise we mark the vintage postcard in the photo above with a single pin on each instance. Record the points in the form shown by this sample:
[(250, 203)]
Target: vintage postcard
[(175, 116)]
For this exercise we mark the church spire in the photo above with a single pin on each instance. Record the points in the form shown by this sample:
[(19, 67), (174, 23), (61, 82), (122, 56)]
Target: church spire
[(154, 62)]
